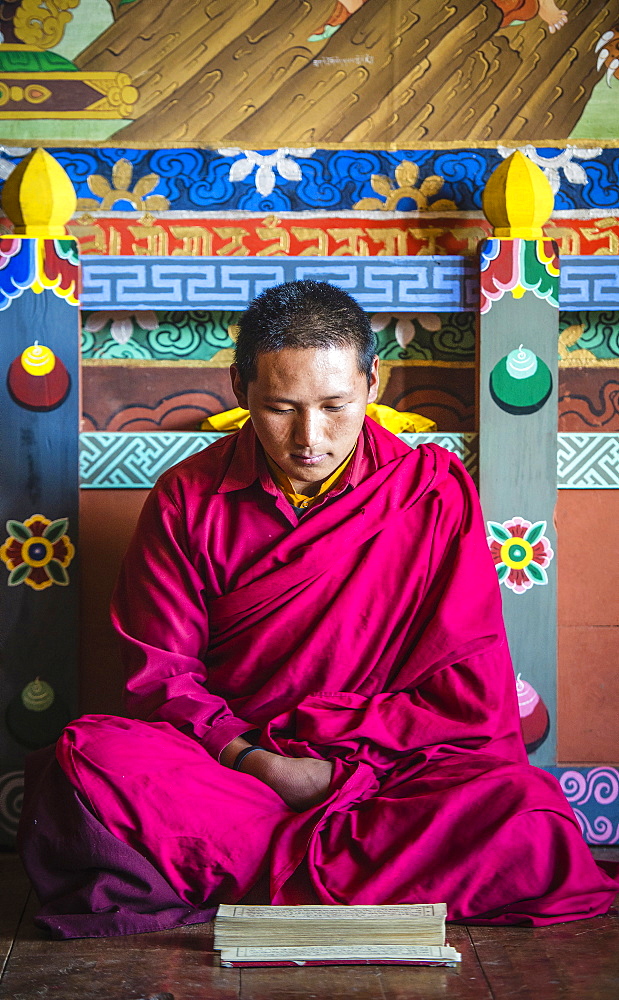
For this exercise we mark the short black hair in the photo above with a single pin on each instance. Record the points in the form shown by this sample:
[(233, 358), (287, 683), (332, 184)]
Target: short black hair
[(302, 314)]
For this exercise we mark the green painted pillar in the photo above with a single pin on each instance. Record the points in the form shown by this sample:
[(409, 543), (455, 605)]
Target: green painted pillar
[(517, 406)]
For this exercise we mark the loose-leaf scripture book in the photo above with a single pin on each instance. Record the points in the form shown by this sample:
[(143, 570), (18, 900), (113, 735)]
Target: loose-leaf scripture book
[(411, 934)]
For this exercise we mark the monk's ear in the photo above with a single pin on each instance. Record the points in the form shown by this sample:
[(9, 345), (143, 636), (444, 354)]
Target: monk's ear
[(237, 387), (374, 381)]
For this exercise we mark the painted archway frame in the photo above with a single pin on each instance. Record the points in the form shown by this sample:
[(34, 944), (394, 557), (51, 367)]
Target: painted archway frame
[(47, 523), (114, 284)]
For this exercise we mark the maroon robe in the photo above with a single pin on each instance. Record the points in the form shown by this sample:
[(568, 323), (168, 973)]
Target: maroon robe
[(367, 632)]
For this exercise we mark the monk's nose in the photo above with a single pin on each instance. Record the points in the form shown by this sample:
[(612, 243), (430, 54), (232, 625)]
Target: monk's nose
[(307, 430)]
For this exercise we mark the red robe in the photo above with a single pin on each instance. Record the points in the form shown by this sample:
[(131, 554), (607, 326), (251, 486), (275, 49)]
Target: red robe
[(368, 632), (517, 10)]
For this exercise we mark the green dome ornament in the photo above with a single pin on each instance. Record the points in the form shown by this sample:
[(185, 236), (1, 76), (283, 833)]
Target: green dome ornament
[(520, 382), (36, 717), (38, 696)]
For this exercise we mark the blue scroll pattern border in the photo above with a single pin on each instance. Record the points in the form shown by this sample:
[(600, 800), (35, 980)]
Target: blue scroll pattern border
[(331, 180), (444, 284)]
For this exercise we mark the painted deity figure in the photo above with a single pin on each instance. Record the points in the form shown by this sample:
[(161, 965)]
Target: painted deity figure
[(512, 10), (526, 10)]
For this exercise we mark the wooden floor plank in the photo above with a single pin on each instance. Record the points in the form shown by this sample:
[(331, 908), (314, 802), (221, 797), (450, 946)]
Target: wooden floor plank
[(466, 982), (180, 965), (14, 889), (168, 965), (573, 961), (603, 853), (578, 960)]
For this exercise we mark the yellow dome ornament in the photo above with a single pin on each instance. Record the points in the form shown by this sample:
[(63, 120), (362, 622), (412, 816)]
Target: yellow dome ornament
[(518, 199), (38, 196), (37, 379)]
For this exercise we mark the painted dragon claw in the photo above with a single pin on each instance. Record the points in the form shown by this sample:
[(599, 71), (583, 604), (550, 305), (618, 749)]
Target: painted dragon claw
[(606, 37), (607, 49)]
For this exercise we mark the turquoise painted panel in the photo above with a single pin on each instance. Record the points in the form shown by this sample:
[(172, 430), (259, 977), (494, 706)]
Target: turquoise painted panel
[(125, 461), (115, 460)]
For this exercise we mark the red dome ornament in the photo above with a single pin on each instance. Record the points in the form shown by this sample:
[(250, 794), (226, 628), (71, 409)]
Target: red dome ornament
[(534, 718), (37, 379)]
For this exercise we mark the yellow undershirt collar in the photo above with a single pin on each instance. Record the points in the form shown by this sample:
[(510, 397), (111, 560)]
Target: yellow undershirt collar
[(299, 500)]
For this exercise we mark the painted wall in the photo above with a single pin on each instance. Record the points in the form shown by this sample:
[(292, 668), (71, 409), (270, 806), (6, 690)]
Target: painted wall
[(275, 74), (367, 128)]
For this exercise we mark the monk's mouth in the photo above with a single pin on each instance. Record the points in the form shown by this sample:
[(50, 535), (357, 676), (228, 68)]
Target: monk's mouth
[(309, 460)]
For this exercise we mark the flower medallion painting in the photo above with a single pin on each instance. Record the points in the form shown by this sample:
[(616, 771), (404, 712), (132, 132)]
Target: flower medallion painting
[(521, 553), (37, 552)]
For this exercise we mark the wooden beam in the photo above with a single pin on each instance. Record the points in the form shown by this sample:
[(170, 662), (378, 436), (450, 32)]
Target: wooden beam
[(39, 368)]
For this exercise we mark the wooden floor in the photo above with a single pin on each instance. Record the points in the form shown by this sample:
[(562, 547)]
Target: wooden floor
[(574, 961)]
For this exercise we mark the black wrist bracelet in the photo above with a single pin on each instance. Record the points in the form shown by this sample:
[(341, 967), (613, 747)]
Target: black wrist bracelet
[(240, 757)]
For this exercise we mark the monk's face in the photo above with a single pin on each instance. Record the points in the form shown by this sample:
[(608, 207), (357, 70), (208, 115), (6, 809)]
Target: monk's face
[(307, 407)]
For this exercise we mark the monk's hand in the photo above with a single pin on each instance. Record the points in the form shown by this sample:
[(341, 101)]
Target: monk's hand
[(301, 782)]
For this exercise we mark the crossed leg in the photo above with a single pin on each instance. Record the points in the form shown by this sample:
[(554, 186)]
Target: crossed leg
[(205, 828)]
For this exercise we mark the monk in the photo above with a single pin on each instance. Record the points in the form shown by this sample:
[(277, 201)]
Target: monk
[(322, 703)]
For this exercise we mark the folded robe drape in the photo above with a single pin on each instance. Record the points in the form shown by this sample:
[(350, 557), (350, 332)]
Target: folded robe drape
[(368, 633)]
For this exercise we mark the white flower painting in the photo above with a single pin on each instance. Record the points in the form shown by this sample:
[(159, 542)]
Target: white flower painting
[(282, 160)]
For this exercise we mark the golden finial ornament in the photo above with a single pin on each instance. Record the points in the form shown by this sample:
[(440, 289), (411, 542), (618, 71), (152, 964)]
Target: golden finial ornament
[(518, 199), (38, 196)]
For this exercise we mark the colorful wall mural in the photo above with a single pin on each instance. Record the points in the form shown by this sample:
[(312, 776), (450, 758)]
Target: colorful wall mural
[(353, 74)]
